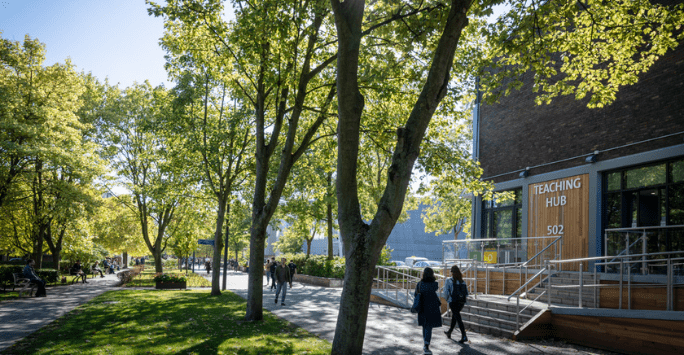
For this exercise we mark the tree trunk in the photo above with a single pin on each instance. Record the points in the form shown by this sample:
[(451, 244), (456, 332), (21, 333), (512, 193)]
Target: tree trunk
[(329, 217), (363, 243), (308, 247), (124, 256), (255, 289), (218, 245), (225, 252)]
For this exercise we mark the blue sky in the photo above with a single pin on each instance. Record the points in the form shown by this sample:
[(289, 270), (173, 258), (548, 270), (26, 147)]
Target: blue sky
[(110, 38)]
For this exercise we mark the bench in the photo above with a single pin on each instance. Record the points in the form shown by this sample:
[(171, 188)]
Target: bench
[(24, 285)]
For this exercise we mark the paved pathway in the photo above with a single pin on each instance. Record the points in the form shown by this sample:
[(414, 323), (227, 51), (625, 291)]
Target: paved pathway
[(389, 330), (21, 317)]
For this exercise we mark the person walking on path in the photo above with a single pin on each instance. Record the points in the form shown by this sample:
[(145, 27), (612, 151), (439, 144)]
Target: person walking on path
[(456, 293), (272, 268), (429, 314), (282, 275), (293, 268), (267, 271), (30, 274)]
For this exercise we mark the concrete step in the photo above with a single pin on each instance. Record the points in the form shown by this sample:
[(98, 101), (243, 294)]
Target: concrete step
[(480, 328), (505, 307), (495, 313)]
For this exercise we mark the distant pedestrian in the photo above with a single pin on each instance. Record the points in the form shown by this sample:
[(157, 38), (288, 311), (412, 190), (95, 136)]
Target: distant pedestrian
[(456, 293), (282, 275), (207, 266), (267, 271), (272, 269), (293, 268), (30, 274), (429, 314)]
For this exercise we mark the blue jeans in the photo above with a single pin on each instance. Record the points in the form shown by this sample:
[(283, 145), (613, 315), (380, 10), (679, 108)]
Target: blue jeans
[(427, 334), (282, 286)]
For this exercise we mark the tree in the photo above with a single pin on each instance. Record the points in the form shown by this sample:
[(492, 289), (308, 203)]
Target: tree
[(281, 53), (363, 242), (117, 229), (145, 157)]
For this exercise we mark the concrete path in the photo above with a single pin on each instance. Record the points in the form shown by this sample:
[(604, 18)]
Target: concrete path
[(389, 330), (21, 317)]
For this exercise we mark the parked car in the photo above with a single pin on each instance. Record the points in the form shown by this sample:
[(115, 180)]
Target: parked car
[(427, 263), (412, 260), (398, 263)]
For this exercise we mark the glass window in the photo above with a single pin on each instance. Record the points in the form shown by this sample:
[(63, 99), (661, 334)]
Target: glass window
[(614, 181), (613, 210), (678, 171), (675, 196), (646, 176), (503, 222)]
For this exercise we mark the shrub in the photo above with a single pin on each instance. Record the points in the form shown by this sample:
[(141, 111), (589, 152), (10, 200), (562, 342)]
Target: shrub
[(318, 265), (169, 278), (49, 275)]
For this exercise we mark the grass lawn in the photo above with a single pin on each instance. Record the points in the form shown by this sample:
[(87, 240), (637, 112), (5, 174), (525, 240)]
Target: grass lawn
[(168, 322), (146, 279)]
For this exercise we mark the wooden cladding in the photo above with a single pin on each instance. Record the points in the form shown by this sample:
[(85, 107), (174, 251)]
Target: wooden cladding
[(646, 298), (560, 207)]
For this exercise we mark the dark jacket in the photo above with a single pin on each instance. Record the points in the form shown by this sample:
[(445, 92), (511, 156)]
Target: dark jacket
[(431, 314), (282, 274), (30, 274)]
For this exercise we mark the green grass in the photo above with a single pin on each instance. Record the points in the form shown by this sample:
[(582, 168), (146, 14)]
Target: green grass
[(168, 322), (9, 295), (146, 279)]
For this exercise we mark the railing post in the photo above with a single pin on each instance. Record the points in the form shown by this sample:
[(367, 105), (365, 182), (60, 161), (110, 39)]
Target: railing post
[(503, 282), (644, 268), (517, 312), (475, 263), (548, 284), (487, 279), (596, 283), (669, 305), (621, 268), (629, 285), (581, 282)]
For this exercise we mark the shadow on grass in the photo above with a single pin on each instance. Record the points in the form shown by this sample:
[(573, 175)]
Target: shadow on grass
[(167, 322)]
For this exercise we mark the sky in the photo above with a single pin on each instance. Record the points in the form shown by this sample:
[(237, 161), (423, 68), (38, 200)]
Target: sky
[(114, 39)]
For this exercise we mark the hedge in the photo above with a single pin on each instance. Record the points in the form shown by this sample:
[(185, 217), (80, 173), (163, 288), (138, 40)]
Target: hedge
[(51, 276)]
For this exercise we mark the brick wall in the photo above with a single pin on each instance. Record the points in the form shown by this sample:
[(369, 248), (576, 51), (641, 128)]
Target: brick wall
[(516, 133)]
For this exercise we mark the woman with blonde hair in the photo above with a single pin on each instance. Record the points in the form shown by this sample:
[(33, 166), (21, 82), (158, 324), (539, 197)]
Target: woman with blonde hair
[(456, 293)]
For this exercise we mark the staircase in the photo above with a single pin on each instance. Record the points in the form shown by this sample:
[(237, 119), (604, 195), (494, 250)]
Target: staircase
[(562, 294), (494, 315)]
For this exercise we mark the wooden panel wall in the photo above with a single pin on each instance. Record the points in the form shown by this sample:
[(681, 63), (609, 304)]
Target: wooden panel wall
[(496, 282), (625, 335), (573, 215), (648, 298)]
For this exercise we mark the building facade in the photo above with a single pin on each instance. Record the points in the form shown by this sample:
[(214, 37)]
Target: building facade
[(588, 175)]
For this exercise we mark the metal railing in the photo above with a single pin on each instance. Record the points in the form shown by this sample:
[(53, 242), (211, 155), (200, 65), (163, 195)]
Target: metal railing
[(629, 238), (402, 284), (669, 260)]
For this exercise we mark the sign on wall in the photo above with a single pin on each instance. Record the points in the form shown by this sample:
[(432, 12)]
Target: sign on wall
[(560, 208)]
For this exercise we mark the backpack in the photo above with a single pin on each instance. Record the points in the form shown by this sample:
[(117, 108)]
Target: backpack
[(459, 293)]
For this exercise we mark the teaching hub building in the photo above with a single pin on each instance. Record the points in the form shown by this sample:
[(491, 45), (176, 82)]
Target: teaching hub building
[(605, 186)]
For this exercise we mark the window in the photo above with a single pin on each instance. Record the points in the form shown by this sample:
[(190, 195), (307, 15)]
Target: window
[(645, 196), (503, 219)]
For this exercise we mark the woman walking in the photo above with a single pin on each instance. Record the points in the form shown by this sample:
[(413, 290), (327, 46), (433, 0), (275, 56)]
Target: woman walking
[(456, 293), (429, 314)]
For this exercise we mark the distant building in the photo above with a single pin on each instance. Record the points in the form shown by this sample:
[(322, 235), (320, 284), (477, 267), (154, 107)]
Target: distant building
[(407, 239)]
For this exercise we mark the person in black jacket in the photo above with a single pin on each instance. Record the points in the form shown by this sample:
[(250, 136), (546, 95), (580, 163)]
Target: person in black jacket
[(429, 314), (78, 271), (456, 293), (272, 269), (30, 274)]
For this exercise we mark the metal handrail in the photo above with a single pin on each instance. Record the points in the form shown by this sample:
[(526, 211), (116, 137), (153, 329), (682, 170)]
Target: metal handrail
[(669, 284), (628, 229), (542, 251), (526, 283)]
